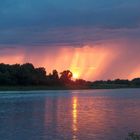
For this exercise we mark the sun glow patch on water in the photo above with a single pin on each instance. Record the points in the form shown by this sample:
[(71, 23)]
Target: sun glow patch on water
[(74, 117)]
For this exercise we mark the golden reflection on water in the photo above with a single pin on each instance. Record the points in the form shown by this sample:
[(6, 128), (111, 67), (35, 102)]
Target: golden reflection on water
[(74, 118)]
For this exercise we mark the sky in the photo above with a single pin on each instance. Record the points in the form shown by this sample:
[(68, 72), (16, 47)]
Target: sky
[(95, 39)]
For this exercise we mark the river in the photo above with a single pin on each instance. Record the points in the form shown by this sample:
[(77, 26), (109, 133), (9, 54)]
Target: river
[(69, 114)]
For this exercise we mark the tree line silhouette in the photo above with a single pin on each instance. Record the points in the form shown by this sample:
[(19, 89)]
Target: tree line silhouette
[(27, 75)]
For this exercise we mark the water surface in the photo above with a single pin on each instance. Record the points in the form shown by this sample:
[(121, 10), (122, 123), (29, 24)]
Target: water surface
[(69, 115)]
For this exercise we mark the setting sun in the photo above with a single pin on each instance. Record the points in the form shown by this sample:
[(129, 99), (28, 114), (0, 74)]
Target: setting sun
[(75, 75)]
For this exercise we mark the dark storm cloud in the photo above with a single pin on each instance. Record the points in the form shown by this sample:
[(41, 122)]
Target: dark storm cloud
[(51, 22)]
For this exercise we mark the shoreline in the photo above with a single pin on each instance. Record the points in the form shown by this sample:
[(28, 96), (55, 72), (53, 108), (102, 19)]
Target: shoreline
[(43, 88)]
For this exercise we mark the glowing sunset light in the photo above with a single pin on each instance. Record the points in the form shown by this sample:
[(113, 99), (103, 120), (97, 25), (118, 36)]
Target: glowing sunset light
[(89, 62), (75, 75), (85, 62), (135, 73), (76, 72)]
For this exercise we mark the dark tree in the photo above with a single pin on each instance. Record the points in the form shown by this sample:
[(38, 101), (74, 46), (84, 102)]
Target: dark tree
[(53, 79), (27, 75), (121, 82), (66, 76), (55, 75), (136, 81)]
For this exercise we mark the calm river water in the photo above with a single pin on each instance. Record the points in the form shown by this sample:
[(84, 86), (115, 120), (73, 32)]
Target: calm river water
[(69, 115)]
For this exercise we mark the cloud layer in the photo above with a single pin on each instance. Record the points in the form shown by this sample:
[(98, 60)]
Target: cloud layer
[(52, 22)]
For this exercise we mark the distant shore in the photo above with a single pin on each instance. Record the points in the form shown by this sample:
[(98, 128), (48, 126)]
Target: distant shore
[(30, 88), (26, 77)]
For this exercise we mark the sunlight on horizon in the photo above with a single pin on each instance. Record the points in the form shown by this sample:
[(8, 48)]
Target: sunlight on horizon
[(75, 75), (75, 72), (89, 62)]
